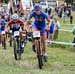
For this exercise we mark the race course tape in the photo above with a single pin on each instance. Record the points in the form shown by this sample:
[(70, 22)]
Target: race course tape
[(68, 24), (65, 30), (64, 43)]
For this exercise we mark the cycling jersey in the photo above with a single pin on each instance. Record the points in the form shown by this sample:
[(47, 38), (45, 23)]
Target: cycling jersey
[(39, 22), (2, 24), (15, 25), (13, 22)]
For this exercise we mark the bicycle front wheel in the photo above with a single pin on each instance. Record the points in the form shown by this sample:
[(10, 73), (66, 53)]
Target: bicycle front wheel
[(39, 56), (15, 49)]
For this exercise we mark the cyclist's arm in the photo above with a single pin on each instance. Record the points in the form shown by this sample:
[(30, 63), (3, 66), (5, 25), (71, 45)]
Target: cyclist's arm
[(48, 19), (28, 20), (22, 24), (29, 17), (8, 25), (49, 23)]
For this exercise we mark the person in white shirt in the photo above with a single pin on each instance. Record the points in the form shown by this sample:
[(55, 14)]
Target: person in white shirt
[(56, 29), (1, 9)]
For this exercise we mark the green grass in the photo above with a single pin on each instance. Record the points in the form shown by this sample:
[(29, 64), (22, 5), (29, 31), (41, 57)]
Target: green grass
[(61, 61), (61, 58)]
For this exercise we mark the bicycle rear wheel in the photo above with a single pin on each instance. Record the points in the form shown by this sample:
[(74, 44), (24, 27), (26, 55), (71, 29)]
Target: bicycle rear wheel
[(19, 49)]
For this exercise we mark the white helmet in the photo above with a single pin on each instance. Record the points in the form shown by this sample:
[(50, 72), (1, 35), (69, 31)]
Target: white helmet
[(15, 16)]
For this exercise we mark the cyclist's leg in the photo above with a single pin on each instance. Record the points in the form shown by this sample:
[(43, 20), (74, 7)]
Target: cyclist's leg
[(43, 40), (44, 44), (34, 41), (1, 38)]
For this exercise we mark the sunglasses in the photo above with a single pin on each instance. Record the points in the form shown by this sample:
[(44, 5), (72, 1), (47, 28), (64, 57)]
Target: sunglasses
[(36, 10)]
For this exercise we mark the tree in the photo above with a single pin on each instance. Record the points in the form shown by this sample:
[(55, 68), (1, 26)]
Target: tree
[(69, 1), (6, 1)]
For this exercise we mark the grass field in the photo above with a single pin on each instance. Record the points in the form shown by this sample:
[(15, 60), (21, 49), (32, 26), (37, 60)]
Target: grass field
[(61, 58)]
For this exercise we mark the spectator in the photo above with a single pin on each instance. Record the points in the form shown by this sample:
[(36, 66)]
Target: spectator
[(51, 30), (46, 10), (22, 16), (60, 12), (56, 29), (49, 11), (71, 19), (64, 17), (1, 9), (10, 7), (67, 12)]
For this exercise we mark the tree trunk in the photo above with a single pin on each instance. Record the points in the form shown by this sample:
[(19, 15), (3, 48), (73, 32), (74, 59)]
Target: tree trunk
[(1, 1)]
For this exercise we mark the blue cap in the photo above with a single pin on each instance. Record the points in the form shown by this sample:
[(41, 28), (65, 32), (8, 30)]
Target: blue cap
[(37, 7)]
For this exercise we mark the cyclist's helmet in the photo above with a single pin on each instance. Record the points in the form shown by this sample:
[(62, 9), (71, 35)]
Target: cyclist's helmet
[(37, 7), (15, 16)]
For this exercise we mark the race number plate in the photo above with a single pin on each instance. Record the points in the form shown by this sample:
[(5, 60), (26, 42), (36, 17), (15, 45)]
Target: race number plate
[(3, 32), (36, 34), (16, 33), (10, 31)]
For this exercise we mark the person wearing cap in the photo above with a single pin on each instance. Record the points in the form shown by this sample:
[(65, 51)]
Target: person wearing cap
[(39, 24)]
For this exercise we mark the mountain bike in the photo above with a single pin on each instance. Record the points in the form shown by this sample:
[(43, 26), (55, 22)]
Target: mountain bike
[(16, 45), (39, 51)]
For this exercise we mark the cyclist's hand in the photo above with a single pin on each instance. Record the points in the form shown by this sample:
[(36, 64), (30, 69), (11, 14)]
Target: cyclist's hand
[(6, 30)]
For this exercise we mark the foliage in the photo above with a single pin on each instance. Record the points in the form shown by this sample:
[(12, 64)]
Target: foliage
[(69, 1)]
